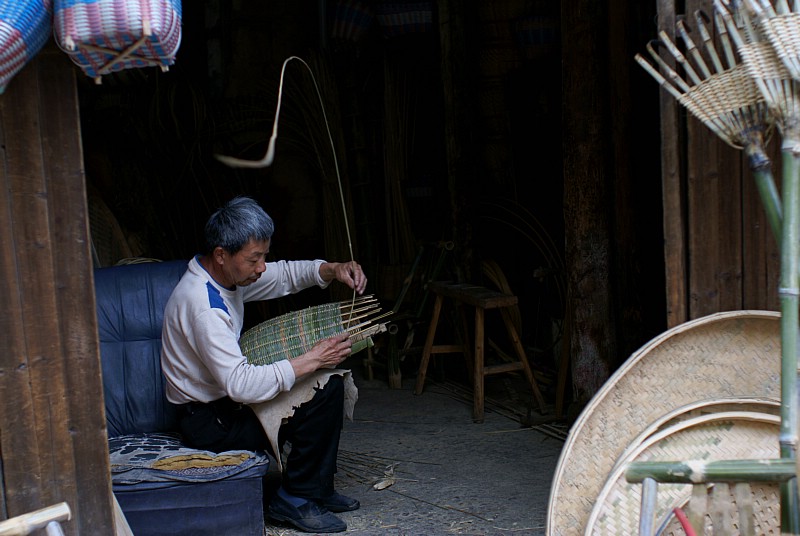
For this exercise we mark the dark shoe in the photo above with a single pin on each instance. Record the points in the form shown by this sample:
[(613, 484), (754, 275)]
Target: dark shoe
[(339, 503), (308, 517)]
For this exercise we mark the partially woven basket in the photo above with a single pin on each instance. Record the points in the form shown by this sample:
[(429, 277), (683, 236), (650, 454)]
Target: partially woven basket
[(293, 334), (104, 36), (25, 27)]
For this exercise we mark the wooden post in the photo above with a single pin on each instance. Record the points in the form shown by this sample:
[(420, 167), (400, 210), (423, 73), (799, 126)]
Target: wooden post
[(53, 443), (672, 185), (458, 106), (587, 196)]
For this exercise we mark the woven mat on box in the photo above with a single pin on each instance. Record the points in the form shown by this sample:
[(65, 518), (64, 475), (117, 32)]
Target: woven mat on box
[(162, 457), (723, 356)]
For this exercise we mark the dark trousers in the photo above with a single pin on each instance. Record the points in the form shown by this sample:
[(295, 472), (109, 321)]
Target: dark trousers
[(313, 432)]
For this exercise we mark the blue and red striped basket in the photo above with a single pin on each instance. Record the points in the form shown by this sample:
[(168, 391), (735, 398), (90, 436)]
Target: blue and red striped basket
[(25, 27), (104, 36)]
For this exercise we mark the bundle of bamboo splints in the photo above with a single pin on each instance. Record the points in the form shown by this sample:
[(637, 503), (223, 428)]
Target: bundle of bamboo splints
[(292, 334), (741, 103)]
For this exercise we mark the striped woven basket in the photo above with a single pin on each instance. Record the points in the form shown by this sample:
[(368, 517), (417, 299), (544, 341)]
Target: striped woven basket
[(25, 27), (293, 334), (104, 36)]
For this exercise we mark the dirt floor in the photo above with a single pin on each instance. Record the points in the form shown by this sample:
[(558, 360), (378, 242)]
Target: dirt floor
[(420, 466)]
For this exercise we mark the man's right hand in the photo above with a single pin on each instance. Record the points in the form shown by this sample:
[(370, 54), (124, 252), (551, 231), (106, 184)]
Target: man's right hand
[(327, 353)]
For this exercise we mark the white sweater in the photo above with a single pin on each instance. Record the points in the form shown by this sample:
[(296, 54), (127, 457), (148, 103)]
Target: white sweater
[(200, 354)]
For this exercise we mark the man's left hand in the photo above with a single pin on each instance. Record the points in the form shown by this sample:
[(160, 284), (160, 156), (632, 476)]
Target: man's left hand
[(349, 273)]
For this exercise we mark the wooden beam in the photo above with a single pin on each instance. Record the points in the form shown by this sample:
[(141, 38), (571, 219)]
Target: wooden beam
[(672, 185)]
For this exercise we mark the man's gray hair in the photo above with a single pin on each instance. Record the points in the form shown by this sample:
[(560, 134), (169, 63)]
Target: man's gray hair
[(238, 221)]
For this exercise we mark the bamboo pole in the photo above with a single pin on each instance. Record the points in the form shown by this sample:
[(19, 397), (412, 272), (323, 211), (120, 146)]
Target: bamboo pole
[(788, 293), (698, 472), (761, 166)]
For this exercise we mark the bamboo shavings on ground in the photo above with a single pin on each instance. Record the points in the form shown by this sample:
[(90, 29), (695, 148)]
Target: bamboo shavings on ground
[(376, 471)]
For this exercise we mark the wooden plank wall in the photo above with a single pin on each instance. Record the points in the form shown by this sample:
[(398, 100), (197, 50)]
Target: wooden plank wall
[(53, 440), (719, 251)]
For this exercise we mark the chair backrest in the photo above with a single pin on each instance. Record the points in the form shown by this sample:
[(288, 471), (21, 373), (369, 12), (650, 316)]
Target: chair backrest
[(130, 312)]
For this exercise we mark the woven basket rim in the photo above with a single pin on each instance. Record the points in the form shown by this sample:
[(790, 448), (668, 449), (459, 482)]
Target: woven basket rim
[(592, 447), (714, 405)]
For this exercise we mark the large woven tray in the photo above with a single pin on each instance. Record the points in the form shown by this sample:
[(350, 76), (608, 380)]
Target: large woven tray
[(731, 355), (729, 435)]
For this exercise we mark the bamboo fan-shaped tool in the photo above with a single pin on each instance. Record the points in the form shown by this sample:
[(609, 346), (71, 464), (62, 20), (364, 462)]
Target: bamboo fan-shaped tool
[(781, 26), (719, 92), (763, 61), (293, 334)]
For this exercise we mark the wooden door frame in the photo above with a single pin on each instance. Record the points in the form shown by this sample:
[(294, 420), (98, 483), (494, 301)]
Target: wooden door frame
[(53, 438)]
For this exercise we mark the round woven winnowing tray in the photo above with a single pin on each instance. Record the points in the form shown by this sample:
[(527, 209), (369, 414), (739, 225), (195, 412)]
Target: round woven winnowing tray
[(727, 435), (697, 409), (726, 355)]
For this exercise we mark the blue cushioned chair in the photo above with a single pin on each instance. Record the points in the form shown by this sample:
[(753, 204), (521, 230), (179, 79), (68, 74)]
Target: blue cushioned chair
[(157, 497)]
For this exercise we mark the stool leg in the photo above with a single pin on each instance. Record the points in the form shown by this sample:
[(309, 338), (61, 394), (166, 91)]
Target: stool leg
[(426, 351), (477, 409), (512, 334), (469, 362)]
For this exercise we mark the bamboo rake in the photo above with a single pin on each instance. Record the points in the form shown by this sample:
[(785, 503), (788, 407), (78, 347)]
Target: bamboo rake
[(719, 92)]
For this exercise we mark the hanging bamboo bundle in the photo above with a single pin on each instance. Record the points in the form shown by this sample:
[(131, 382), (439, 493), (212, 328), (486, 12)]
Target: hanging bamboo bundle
[(293, 334), (720, 92)]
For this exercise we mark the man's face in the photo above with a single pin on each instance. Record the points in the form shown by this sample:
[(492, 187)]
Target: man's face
[(247, 265)]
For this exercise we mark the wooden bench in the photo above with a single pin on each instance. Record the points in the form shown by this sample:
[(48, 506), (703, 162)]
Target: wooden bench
[(482, 299)]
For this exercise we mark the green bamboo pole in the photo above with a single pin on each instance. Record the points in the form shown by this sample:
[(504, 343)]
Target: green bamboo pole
[(788, 293), (696, 472), (761, 166)]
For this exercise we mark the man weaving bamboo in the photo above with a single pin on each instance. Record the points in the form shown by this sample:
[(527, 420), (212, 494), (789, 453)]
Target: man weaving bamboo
[(225, 402)]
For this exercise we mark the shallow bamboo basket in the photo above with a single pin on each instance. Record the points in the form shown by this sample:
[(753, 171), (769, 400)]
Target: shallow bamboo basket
[(731, 355)]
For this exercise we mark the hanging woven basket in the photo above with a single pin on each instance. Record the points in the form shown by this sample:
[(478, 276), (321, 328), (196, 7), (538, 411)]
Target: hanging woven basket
[(25, 27), (104, 36)]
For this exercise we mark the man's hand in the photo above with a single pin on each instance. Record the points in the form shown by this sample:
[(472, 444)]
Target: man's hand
[(349, 273), (327, 353)]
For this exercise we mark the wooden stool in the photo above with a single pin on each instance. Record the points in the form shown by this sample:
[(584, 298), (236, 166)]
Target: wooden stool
[(481, 299)]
